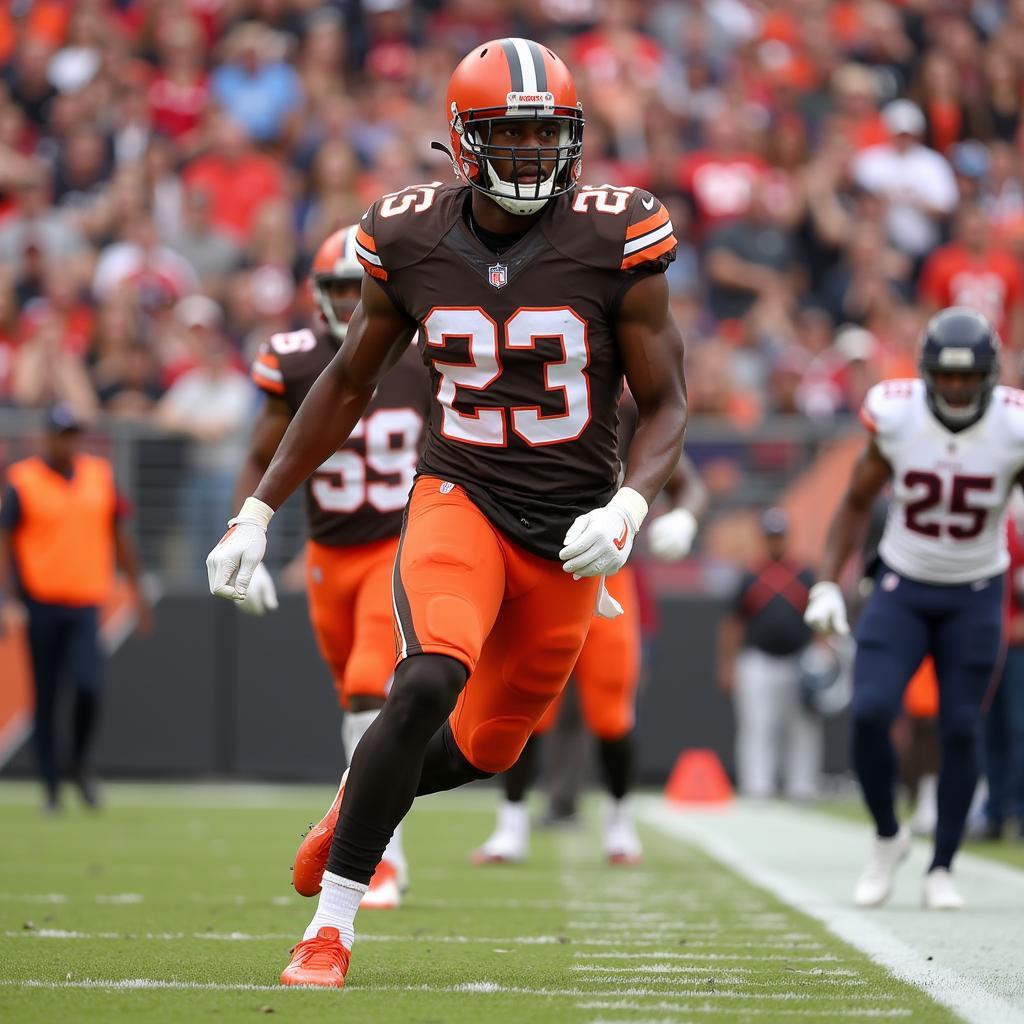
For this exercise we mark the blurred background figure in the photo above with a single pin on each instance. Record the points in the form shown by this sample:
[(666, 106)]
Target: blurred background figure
[(1004, 721), (62, 534), (759, 649)]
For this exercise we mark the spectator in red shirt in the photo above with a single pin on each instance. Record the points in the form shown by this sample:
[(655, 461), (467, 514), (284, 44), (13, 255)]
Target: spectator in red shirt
[(237, 178), (178, 95), (971, 271), (721, 178)]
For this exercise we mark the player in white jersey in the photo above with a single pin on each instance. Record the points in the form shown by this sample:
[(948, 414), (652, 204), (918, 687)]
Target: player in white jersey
[(952, 445)]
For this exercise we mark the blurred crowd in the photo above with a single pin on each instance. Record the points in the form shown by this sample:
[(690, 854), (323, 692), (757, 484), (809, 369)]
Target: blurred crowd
[(834, 171)]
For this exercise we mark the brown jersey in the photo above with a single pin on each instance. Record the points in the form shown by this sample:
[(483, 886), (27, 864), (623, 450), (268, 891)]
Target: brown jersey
[(358, 495), (525, 365)]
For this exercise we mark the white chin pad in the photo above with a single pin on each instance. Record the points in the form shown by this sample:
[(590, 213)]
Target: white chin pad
[(957, 413), (504, 193)]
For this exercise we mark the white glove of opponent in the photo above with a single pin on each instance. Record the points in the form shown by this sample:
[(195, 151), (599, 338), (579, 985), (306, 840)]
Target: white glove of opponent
[(261, 597), (599, 542), (670, 536), (826, 609), (231, 564)]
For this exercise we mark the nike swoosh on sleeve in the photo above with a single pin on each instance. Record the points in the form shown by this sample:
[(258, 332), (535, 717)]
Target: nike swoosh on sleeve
[(647, 204)]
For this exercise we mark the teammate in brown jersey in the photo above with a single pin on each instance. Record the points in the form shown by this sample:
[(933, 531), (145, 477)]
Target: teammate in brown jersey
[(354, 505), (532, 299), (606, 676)]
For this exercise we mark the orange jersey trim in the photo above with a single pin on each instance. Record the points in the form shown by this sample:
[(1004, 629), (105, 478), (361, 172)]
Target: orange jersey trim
[(365, 240), (648, 224), (865, 418), (652, 252), (266, 373), (372, 269)]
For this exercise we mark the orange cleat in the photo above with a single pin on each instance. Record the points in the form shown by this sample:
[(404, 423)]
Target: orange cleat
[(383, 892), (321, 961), (311, 856)]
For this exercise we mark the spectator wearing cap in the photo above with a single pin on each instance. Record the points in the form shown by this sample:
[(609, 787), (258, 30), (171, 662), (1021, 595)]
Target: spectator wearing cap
[(916, 182), (255, 85), (62, 533), (759, 646)]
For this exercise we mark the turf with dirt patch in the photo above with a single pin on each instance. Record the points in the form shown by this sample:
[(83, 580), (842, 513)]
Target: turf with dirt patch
[(175, 904)]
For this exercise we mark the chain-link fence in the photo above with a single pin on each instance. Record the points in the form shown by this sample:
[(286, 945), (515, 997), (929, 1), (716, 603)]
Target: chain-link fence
[(180, 510)]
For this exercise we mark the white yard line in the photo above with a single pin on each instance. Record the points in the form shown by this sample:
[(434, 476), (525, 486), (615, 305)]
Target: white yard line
[(971, 962)]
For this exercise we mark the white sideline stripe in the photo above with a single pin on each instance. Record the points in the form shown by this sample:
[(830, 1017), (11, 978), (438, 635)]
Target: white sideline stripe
[(774, 1012), (471, 987), (809, 841), (13, 735)]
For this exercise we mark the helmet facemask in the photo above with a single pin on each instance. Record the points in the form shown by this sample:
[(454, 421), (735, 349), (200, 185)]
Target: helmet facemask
[(959, 416), (472, 133), (337, 310)]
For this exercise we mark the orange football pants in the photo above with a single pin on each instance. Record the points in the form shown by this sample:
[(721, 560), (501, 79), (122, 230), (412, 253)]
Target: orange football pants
[(607, 671), (350, 607), (515, 620)]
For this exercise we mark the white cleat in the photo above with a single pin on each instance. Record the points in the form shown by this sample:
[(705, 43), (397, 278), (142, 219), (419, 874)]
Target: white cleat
[(621, 843), (874, 886), (940, 891), (383, 892), (509, 842)]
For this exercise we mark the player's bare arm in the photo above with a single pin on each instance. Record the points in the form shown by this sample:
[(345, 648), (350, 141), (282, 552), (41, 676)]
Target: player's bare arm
[(377, 336), (850, 523), (652, 353), (266, 437)]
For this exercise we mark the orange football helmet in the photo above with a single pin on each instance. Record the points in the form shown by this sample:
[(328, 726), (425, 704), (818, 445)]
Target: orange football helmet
[(335, 261), (514, 78)]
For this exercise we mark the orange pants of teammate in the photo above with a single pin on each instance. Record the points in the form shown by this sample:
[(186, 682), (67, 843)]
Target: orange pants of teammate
[(516, 621), (921, 699), (350, 607), (608, 669)]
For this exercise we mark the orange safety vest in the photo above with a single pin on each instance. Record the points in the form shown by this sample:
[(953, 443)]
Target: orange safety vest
[(64, 538)]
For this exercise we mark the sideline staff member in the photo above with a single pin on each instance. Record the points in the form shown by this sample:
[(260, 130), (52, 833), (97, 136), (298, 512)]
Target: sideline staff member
[(61, 531)]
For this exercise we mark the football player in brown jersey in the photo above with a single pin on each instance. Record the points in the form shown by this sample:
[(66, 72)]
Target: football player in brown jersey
[(532, 299), (606, 676), (354, 505)]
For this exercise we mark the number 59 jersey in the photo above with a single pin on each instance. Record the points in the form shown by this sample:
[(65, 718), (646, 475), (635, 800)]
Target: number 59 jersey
[(358, 495), (525, 366), (946, 518)]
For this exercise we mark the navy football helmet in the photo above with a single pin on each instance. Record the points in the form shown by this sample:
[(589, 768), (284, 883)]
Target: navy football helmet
[(959, 365)]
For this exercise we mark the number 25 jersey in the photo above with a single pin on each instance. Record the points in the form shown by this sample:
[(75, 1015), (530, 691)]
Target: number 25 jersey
[(946, 518), (525, 367)]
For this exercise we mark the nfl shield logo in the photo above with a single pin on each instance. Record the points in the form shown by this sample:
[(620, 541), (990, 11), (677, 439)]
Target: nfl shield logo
[(498, 275)]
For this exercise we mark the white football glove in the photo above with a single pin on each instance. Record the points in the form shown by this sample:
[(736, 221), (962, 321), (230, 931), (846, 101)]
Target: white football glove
[(261, 597), (599, 542), (231, 564), (826, 609), (670, 536)]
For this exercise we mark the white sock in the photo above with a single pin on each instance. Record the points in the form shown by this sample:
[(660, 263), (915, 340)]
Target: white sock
[(514, 818), (353, 728), (339, 901)]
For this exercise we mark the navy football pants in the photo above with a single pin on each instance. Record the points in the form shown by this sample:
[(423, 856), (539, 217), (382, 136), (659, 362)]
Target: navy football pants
[(64, 642), (961, 628)]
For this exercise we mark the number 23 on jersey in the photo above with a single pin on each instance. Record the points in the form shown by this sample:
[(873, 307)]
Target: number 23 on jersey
[(489, 425)]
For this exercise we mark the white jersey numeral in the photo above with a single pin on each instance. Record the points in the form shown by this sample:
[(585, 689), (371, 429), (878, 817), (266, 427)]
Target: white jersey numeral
[(487, 425), (604, 198), (392, 449)]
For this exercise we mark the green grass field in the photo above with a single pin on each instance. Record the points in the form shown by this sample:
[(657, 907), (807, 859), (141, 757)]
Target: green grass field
[(174, 904)]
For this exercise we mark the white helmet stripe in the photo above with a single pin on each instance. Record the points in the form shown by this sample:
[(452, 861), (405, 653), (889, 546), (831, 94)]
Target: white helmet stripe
[(528, 71)]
